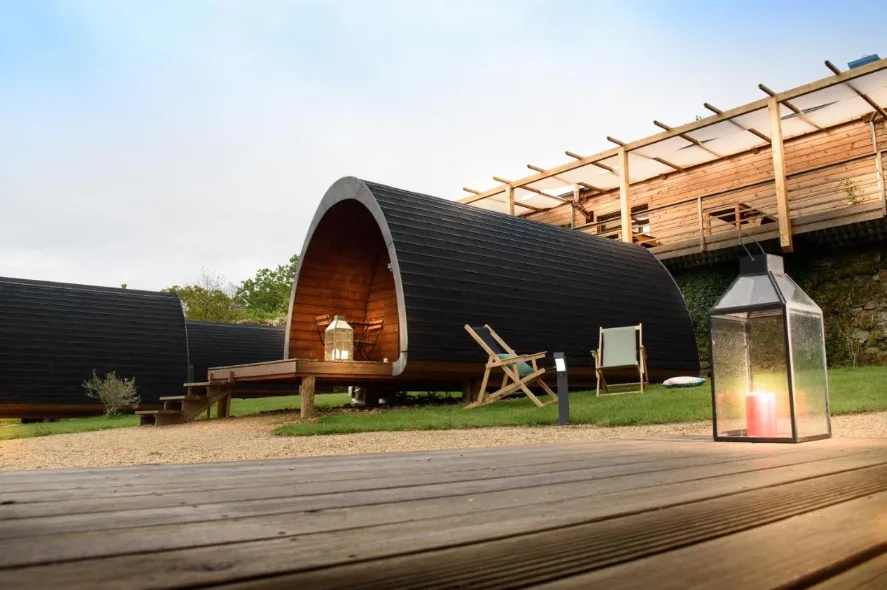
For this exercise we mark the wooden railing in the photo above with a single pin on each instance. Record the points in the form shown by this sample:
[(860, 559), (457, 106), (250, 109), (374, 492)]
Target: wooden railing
[(841, 193)]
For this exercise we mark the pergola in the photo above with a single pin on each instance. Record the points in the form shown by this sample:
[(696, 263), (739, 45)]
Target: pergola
[(767, 122)]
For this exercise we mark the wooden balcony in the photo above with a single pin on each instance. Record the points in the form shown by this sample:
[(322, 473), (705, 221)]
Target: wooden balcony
[(842, 193)]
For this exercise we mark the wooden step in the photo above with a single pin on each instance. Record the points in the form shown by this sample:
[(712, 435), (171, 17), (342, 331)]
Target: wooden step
[(181, 398), (160, 417), (198, 384)]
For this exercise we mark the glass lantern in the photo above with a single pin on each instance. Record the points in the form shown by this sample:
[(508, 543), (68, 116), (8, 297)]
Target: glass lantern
[(338, 340), (768, 367)]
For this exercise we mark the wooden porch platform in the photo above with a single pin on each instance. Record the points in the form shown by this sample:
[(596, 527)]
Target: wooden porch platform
[(290, 369), (663, 513)]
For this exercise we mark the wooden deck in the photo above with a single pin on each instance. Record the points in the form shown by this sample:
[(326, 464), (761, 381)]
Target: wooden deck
[(663, 513)]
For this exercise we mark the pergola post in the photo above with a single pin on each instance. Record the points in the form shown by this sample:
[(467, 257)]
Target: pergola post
[(625, 196), (783, 214), (509, 194), (573, 206)]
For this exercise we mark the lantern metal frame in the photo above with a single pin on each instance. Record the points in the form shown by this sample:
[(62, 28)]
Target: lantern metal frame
[(765, 265)]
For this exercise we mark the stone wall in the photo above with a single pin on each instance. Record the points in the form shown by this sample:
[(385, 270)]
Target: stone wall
[(850, 286)]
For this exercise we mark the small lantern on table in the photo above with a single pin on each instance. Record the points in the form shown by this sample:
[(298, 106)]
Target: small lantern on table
[(769, 376), (338, 340)]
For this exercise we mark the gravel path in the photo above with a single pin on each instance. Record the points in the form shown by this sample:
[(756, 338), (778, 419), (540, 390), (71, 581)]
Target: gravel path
[(251, 437)]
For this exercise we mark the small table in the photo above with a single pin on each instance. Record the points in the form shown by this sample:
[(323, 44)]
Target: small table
[(739, 214)]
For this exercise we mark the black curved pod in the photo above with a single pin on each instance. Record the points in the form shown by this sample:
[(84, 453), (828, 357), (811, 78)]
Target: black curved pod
[(427, 266), (212, 344), (52, 336)]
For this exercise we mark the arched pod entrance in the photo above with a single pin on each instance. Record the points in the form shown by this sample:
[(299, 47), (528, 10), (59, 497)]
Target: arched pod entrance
[(346, 268)]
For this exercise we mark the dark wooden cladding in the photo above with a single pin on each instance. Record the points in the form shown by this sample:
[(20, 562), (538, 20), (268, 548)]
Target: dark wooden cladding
[(212, 344), (541, 287), (52, 336)]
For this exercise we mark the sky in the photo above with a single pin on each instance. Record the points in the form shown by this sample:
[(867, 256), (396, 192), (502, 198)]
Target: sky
[(147, 142)]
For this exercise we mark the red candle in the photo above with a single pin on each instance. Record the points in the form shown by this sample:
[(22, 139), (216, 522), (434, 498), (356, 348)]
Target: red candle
[(760, 414)]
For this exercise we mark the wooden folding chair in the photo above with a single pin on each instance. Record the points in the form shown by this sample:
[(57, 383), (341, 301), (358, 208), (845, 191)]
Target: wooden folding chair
[(321, 322), (365, 343), (620, 349), (520, 371)]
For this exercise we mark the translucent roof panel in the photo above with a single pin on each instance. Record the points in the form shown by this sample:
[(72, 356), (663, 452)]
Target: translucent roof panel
[(736, 142), (749, 290), (641, 168), (592, 175), (679, 151)]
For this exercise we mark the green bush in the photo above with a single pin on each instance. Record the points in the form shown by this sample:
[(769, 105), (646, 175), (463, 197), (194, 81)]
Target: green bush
[(115, 394)]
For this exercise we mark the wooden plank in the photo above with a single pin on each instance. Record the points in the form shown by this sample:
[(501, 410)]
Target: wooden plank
[(871, 573), (625, 196), (509, 196), (198, 478), (520, 476), (779, 555), (60, 546), (515, 548), (778, 154)]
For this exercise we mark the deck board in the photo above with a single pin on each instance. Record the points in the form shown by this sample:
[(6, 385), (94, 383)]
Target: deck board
[(601, 514)]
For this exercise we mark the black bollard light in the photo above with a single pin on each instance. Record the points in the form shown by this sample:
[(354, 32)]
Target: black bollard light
[(563, 397)]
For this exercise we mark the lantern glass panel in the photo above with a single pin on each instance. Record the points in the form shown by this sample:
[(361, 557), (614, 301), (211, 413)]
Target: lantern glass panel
[(810, 376), (749, 290), (751, 389), (792, 292)]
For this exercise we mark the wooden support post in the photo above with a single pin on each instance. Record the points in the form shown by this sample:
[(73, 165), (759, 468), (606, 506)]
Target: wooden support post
[(782, 209), (572, 207), (879, 164), (306, 394), (625, 196), (224, 407), (509, 194), (701, 224)]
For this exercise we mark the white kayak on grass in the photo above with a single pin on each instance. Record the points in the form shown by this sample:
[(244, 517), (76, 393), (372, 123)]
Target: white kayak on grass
[(684, 382)]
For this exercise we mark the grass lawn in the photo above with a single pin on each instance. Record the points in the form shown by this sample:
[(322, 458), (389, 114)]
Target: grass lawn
[(852, 391), (10, 429)]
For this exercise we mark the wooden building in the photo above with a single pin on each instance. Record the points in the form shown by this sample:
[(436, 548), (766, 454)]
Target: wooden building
[(424, 267), (53, 335), (794, 165)]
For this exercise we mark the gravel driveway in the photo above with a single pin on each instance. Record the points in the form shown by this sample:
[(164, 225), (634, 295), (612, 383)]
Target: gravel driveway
[(250, 437)]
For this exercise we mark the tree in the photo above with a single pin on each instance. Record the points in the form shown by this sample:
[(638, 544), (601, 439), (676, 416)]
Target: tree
[(268, 293), (210, 299)]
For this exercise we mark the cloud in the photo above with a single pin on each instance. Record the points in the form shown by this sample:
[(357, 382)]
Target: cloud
[(144, 141)]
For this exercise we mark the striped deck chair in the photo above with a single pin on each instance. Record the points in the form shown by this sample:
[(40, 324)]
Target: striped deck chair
[(520, 371)]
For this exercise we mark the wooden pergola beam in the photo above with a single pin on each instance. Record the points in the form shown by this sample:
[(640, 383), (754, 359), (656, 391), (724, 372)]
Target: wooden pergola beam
[(861, 95), (471, 190), (790, 106), (692, 140), (667, 163), (751, 130), (778, 152), (693, 126)]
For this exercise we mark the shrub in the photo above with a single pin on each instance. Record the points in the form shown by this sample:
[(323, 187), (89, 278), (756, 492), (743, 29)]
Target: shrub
[(114, 393)]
